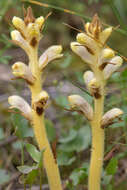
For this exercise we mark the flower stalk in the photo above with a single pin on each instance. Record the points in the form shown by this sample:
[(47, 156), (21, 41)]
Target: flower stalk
[(91, 47), (27, 35)]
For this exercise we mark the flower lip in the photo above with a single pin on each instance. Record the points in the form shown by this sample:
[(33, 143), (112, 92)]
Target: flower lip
[(52, 53), (78, 103), (81, 51), (19, 103), (109, 116)]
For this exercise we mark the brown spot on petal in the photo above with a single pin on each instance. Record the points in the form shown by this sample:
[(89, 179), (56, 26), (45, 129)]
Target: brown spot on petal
[(102, 66), (33, 42), (97, 95), (39, 110), (89, 50)]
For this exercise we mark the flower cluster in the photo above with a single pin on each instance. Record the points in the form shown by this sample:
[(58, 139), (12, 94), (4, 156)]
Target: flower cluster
[(92, 49), (27, 35)]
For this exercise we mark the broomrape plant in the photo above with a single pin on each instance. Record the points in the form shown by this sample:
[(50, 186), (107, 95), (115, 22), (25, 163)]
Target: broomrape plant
[(27, 35), (91, 47)]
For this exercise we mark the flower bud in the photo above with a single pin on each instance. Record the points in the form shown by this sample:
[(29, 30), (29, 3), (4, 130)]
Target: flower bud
[(19, 24), (53, 52), (81, 51), (40, 21), (112, 66), (104, 35), (94, 88), (33, 30), (107, 53), (88, 76), (90, 44), (40, 101), (105, 57), (20, 70), (78, 103), (22, 105), (109, 116), (94, 28)]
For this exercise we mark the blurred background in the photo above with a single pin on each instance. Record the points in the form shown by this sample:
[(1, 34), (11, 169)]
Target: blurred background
[(68, 131)]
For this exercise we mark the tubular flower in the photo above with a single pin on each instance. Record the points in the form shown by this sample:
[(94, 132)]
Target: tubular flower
[(92, 49), (27, 35), (52, 53), (22, 105), (80, 104), (20, 70)]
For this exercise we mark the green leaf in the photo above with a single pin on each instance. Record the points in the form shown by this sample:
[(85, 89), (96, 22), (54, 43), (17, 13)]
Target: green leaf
[(34, 153), (79, 175), (69, 137), (79, 143), (112, 166), (50, 129), (65, 159), (4, 176), (26, 169), (31, 177), (106, 179), (21, 126)]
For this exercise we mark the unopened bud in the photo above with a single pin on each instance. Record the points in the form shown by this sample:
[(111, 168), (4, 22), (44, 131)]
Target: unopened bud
[(94, 88), (20, 70), (78, 103), (33, 30), (109, 116), (40, 21), (90, 44), (104, 35), (19, 24), (22, 105), (88, 76), (107, 53)]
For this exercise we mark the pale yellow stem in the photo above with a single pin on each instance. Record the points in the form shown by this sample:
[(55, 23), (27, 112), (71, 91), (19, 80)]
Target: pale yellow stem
[(97, 147), (97, 152), (50, 163)]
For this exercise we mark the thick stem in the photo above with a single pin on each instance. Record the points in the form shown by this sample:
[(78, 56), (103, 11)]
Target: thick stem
[(97, 153), (50, 163)]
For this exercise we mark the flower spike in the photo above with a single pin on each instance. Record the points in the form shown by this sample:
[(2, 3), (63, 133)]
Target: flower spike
[(92, 49), (27, 34)]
